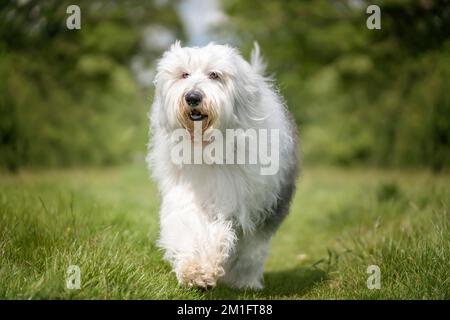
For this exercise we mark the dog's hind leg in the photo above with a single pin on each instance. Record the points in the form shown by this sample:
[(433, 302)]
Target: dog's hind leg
[(245, 268)]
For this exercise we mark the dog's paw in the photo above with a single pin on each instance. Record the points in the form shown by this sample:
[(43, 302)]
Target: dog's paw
[(196, 274)]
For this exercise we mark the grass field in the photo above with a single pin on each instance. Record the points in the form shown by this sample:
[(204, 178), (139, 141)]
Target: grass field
[(342, 220)]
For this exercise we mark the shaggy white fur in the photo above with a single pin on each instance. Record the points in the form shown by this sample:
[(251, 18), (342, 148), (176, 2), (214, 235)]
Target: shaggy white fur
[(217, 219)]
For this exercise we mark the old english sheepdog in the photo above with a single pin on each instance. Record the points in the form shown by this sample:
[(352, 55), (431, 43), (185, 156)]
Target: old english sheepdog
[(220, 205)]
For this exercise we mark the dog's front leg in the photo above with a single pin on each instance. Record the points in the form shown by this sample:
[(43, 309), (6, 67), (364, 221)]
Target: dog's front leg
[(195, 245)]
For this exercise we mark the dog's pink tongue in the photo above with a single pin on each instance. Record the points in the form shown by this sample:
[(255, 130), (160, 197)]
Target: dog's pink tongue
[(196, 115)]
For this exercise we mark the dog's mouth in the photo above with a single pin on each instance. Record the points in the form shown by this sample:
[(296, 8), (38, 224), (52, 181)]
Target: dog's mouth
[(196, 115)]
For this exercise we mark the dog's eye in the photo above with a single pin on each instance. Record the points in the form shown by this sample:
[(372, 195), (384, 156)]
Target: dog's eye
[(185, 75), (213, 75)]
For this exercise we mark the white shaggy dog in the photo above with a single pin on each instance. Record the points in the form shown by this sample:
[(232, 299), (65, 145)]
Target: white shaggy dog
[(217, 219)]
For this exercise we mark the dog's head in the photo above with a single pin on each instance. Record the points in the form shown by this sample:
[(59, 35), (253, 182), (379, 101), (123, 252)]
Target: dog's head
[(213, 85)]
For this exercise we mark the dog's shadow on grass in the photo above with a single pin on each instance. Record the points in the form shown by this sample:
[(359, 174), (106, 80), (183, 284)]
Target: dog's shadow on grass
[(278, 284)]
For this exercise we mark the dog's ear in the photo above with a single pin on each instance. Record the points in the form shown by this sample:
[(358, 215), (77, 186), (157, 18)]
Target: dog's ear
[(256, 60), (164, 64)]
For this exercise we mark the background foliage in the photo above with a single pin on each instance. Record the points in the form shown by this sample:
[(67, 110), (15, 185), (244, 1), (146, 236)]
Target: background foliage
[(371, 97), (360, 96), (69, 97)]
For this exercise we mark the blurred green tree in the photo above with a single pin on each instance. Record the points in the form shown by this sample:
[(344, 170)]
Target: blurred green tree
[(68, 97), (377, 97), (360, 96)]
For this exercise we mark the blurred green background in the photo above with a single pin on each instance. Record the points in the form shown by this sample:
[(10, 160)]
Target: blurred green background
[(360, 97)]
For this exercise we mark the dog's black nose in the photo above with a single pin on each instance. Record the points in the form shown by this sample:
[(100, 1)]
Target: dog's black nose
[(193, 98)]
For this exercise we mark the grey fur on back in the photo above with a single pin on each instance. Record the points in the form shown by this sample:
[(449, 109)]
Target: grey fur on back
[(281, 209)]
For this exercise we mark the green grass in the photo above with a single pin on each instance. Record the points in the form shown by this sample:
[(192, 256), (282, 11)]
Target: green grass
[(106, 222)]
